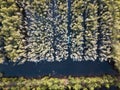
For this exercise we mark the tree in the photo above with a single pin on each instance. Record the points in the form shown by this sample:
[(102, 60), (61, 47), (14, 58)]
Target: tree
[(10, 33), (84, 30), (35, 30), (115, 10), (47, 30)]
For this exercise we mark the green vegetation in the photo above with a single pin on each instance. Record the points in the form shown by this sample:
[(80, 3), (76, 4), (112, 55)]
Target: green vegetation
[(41, 29), (115, 9), (11, 47), (48, 83)]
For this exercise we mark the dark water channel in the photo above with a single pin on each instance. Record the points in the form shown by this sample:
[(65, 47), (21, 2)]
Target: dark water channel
[(63, 68), (60, 69), (111, 88)]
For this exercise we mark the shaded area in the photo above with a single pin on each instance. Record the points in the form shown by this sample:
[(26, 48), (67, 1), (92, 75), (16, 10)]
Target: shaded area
[(63, 68), (111, 88)]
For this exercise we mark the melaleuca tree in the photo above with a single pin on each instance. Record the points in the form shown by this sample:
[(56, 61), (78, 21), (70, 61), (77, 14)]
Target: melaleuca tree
[(66, 29), (58, 13), (37, 34), (56, 29), (89, 30), (46, 31), (104, 31), (1, 42), (92, 29), (10, 33), (25, 24), (61, 24), (76, 29), (114, 7), (42, 35), (84, 23), (91, 33)]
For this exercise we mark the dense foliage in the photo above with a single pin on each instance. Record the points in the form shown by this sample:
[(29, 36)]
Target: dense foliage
[(58, 29), (69, 83), (115, 9), (11, 46)]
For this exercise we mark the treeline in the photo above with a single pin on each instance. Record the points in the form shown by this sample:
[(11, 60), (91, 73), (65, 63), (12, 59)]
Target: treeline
[(58, 29), (11, 43)]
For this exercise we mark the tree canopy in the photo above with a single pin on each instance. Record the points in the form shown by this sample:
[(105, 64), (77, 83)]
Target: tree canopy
[(59, 29)]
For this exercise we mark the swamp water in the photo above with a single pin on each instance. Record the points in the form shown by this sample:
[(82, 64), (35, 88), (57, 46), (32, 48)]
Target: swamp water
[(63, 68)]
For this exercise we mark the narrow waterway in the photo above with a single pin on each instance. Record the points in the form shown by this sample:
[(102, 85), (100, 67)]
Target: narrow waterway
[(63, 68)]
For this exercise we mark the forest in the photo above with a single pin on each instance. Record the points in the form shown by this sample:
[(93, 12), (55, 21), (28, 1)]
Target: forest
[(35, 30), (56, 31)]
